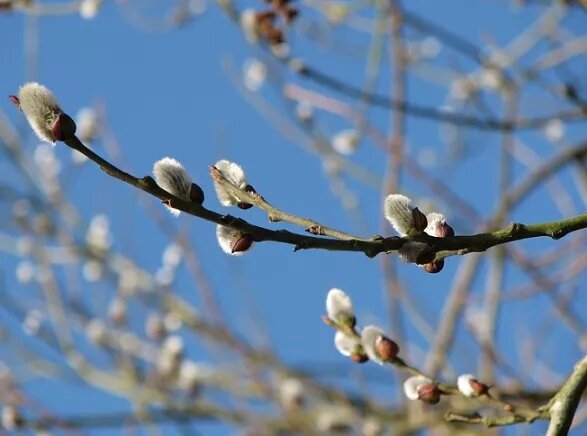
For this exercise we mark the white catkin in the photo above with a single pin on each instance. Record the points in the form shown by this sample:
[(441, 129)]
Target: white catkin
[(235, 175), (398, 211), (172, 176), (339, 306), (464, 385), (413, 384), (369, 336), (40, 108)]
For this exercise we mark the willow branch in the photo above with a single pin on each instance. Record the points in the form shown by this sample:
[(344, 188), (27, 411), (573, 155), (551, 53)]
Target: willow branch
[(441, 247)]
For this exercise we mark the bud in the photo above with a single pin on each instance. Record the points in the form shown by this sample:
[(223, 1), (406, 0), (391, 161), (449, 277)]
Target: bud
[(378, 347), (254, 74), (434, 267), (438, 227), (11, 418), (249, 24), (63, 128), (191, 375), (170, 357), (346, 141), (422, 388), (469, 386), (171, 176), (88, 9), (243, 243), (404, 217), (339, 308), (42, 112), (419, 219), (429, 394), (96, 332), (196, 194), (386, 348), (347, 345), (14, 100), (291, 394), (234, 174), (155, 327), (232, 241), (117, 311)]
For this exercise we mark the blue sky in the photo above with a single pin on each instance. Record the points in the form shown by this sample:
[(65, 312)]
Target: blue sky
[(173, 94)]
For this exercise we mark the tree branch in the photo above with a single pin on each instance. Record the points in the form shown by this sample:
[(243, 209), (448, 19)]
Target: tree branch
[(441, 247)]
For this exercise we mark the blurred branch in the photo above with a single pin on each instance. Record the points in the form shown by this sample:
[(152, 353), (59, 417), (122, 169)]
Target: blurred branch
[(563, 405)]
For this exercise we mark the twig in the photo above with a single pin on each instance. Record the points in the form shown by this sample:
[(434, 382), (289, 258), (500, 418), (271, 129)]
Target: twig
[(442, 247), (563, 405)]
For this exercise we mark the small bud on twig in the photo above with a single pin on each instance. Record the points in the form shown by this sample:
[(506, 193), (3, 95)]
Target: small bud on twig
[(405, 218), (43, 113), (379, 348), (63, 128), (469, 386), (171, 176), (234, 174), (437, 226), (423, 389), (232, 241), (339, 308), (434, 267)]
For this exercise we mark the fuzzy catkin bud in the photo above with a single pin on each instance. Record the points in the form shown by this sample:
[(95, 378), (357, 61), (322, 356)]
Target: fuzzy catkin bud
[(43, 113), (379, 348), (250, 26), (469, 386), (405, 218), (421, 388), (234, 174), (339, 308), (171, 176), (11, 418), (232, 241), (346, 345), (437, 226)]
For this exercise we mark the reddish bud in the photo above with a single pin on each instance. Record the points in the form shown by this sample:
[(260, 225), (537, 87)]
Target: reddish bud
[(420, 221), (386, 348), (63, 128), (445, 231), (359, 357), (196, 194), (215, 174), (429, 394), (243, 243), (14, 100), (434, 267), (478, 387)]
